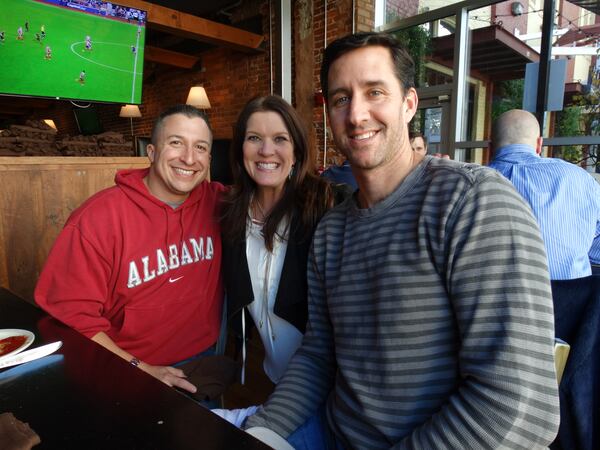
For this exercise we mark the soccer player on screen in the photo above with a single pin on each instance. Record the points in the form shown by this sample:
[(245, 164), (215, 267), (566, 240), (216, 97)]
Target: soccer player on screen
[(2, 36), (20, 33), (48, 52), (27, 25), (133, 49), (81, 77)]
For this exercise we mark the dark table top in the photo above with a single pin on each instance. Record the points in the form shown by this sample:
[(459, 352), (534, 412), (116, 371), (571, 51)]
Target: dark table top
[(85, 397)]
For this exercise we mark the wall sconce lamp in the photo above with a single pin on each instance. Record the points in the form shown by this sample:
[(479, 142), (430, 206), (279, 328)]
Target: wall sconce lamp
[(130, 111), (198, 98)]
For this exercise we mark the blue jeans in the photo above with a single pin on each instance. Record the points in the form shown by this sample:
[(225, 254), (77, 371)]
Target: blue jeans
[(314, 434), (208, 352)]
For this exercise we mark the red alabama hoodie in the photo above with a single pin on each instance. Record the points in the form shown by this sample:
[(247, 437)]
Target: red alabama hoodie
[(144, 273)]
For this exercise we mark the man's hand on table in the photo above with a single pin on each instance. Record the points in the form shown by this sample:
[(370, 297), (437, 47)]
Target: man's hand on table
[(169, 375)]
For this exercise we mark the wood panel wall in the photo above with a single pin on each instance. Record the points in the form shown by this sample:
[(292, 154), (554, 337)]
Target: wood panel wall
[(37, 195)]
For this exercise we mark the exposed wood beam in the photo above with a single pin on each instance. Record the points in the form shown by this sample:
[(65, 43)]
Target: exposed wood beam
[(170, 58), (190, 26)]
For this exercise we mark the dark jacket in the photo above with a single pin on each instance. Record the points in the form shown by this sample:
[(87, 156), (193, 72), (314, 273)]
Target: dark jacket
[(576, 319), (291, 299)]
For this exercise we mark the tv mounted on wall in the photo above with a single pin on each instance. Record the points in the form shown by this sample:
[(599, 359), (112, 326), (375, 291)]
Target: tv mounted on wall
[(86, 50)]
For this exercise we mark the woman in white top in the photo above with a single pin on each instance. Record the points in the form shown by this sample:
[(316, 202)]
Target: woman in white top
[(268, 221)]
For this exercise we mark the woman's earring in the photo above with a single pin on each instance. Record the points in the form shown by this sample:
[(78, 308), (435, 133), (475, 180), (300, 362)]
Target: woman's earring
[(291, 173)]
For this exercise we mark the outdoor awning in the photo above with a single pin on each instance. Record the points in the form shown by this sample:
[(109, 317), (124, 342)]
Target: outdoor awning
[(495, 53)]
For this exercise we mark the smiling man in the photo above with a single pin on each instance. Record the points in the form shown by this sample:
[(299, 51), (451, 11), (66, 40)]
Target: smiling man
[(430, 313), (137, 266)]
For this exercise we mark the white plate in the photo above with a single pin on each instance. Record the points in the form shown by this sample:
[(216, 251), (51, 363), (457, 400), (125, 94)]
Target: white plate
[(8, 332)]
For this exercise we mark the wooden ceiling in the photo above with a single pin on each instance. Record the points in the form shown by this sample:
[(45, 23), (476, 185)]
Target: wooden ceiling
[(169, 28)]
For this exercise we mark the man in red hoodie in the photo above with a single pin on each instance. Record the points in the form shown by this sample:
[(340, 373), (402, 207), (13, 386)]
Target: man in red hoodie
[(137, 266)]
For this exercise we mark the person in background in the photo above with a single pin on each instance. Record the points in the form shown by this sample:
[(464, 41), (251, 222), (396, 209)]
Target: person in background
[(564, 198), (341, 174), (430, 319), (269, 217), (418, 142), (137, 266)]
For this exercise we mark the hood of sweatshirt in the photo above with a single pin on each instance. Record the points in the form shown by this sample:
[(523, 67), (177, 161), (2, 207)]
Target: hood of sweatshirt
[(131, 182)]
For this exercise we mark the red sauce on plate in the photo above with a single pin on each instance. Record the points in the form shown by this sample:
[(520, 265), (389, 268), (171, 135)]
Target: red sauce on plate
[(11, 343)]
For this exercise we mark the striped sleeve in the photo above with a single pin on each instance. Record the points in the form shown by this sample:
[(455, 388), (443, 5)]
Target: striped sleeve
[(499, 289)]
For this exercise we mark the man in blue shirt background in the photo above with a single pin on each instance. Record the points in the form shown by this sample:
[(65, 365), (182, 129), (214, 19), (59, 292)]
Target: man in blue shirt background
[(565, 199)]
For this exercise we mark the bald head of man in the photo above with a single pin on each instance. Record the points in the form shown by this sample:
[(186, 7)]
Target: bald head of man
[(516, 127)]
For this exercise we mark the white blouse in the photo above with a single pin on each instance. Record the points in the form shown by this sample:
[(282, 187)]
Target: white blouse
[(279, 337)]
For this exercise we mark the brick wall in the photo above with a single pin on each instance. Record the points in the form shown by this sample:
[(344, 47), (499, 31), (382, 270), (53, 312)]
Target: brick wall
[(339, 23), (502, 14), (400, 9)]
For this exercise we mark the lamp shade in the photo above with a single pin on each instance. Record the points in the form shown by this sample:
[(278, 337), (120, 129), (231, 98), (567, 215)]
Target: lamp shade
[(50, 123), (198, 98), (130, 111)]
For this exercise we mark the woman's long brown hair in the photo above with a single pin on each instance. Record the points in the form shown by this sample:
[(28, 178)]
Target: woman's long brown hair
[(304, 194)]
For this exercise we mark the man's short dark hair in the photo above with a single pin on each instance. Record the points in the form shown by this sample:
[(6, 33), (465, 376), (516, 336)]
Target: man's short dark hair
[(187, 110), (415, 134), (404, 66)]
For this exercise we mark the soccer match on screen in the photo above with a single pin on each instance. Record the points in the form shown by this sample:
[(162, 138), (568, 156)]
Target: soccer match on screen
[(77, 49)]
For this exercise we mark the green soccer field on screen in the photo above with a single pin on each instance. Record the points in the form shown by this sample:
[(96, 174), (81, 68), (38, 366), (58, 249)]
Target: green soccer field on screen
[(52, 49)]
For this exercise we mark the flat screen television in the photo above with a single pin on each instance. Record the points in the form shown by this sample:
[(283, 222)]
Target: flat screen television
[(86, 50)]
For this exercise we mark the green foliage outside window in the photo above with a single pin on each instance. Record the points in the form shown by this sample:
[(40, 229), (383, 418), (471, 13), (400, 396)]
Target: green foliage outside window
[(568, 124), (589, 107), (507, 95), (417, 41)]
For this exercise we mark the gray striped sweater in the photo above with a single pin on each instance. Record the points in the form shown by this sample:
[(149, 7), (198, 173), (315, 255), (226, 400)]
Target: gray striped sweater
[(430, 320)]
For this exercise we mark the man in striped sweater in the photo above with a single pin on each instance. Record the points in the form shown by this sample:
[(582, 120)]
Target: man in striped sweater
[(430, 314)]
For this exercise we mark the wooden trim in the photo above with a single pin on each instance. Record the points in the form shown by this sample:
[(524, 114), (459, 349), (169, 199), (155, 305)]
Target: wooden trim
[(13, 162), (38, 194), (170, 58), (193, 27)]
